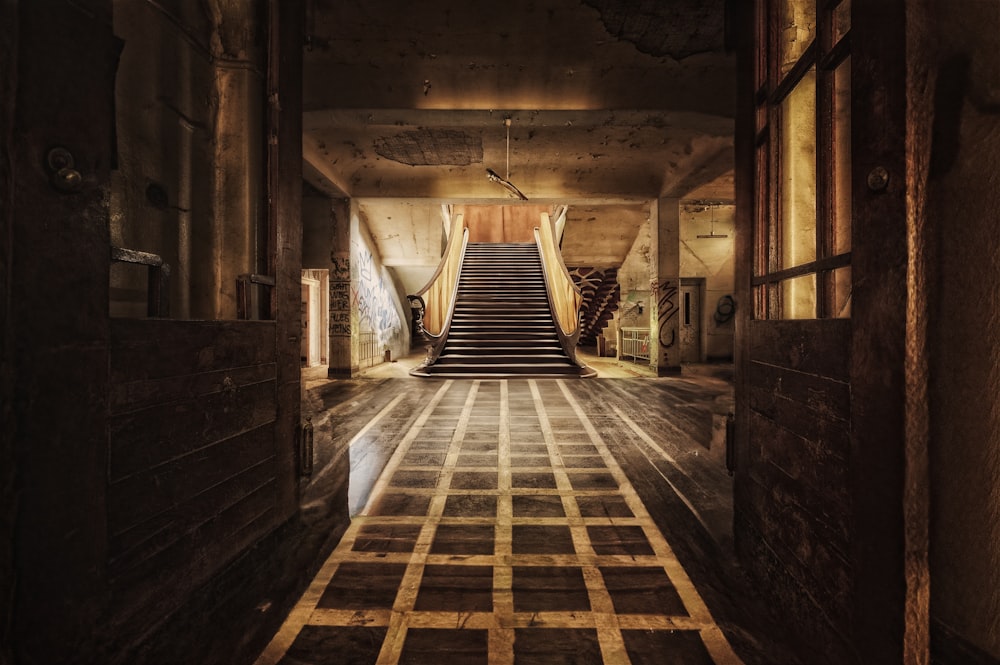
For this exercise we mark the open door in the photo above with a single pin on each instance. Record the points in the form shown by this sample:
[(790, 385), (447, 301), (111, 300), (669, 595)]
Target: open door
[(821, 275)]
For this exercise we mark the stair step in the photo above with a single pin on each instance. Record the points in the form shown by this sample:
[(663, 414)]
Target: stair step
[(499, 323), (503, 313), (565, 367), (499, 359), (493, 286), (507, 336), (502, 343), (502, 347)]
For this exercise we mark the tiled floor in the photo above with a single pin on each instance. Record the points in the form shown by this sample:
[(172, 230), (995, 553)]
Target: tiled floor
[(501, 531)]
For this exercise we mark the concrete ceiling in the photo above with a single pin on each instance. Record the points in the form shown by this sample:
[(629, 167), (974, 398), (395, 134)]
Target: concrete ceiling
[(612, 104)]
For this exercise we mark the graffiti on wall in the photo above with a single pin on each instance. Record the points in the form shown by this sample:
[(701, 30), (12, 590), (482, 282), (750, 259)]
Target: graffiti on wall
[(340, 267), (340, 308), (373, 298), (667, 310)]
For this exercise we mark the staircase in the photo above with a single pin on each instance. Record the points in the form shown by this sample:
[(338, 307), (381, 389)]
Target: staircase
[(502, 325)]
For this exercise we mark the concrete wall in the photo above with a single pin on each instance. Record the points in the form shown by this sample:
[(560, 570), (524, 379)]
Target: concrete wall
[(376, 297), (963, 197), (189, 114), (714, 260), (711, 259), (634, 279), (317, 230)]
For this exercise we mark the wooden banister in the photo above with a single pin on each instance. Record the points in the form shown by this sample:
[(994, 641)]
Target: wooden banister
[(565, 296), (438, 296)]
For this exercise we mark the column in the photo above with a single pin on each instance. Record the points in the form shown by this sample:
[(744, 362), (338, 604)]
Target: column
[(340, 291), (664, 231)]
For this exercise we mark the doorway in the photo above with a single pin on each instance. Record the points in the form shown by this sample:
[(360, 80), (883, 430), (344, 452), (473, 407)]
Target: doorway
[(315, 339), (690, 324)]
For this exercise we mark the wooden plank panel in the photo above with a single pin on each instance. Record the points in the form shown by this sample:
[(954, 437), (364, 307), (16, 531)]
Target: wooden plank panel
[(519, 222), (814, 625), (813, 346), (148, 493), (817, 562), (821, 476), (144, 439), (132, 546), (154, 348), (828, 398), (167, 575), (485, 223), (786, 495), (833, 435), (501, 223), (133, 395)]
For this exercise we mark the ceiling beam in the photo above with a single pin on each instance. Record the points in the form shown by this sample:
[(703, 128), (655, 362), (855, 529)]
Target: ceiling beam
[(313, 156)]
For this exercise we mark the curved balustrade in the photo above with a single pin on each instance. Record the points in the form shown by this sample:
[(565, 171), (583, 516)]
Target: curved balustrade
[(565, 296), (438, 296)]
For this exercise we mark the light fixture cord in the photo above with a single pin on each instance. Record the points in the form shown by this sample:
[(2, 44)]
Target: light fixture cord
[(508, 150)]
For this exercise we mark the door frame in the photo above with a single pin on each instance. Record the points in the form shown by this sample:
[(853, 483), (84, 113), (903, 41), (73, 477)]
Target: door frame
[(698, 284)]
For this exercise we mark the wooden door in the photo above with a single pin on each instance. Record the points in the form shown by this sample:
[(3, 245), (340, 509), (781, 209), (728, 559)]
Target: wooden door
[(690, 322), (821, 265)]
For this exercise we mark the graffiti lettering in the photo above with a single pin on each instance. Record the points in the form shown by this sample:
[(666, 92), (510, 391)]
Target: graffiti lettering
[(341, 267), (667, 310), (340, 308)]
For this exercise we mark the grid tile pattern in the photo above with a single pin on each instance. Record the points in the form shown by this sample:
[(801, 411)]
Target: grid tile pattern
[(501, 531)]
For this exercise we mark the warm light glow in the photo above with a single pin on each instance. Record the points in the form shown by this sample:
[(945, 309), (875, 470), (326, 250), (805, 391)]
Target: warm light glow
[(798, 29), (798, 297), (842, 186), (842, 159), (797, 195)]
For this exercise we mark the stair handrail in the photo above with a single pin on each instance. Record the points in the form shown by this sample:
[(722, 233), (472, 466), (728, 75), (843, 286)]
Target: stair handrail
[(564, 295), (438, 296)]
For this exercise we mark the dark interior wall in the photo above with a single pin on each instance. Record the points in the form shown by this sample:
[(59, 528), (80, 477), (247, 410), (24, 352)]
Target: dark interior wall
[(162, 186), (317, 230), (879, 294), (190, 150), (147, 454), (963, 197), (58, 306), (286, 25)]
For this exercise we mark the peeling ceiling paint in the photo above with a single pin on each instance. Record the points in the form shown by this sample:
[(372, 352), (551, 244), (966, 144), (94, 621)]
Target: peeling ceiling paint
[(431, 147)]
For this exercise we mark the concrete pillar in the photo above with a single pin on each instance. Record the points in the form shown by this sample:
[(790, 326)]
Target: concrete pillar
[(341, 327), (223, 243), (353, 244), (664, 231)]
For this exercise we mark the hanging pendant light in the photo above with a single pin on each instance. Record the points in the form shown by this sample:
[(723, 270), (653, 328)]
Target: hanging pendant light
[(712, 233), (493, 176)]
